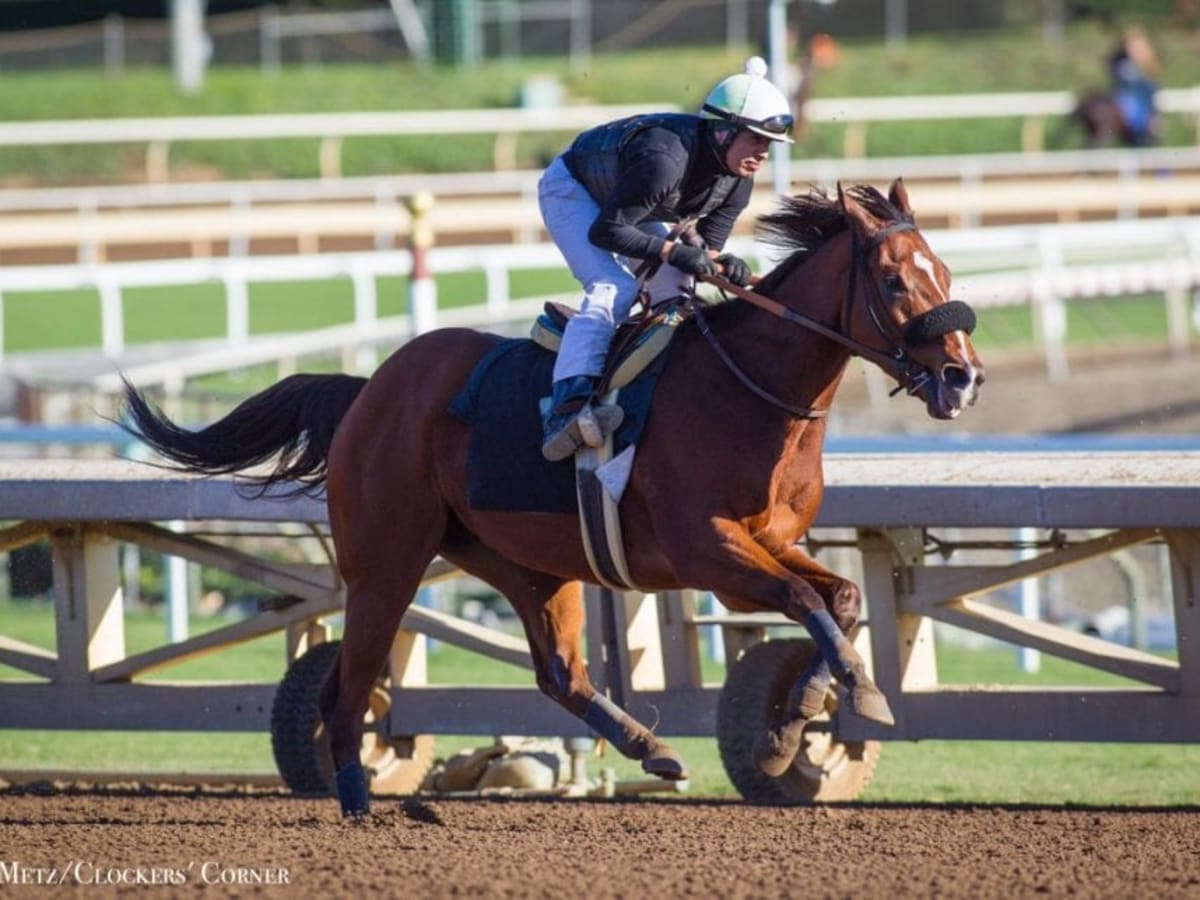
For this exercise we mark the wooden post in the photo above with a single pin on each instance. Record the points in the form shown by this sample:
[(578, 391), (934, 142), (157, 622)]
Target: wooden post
[(303, 636), (680, 640), (422, 289), (854, 140), (1178, 327), (902, 651), (1185, 590), (643, 640), (408, 660), (89, 618), (330, 156), (1033, 135)]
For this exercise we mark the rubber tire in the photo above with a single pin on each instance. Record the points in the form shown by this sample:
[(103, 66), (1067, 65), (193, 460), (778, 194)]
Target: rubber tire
[(825, 769), (394, 764)]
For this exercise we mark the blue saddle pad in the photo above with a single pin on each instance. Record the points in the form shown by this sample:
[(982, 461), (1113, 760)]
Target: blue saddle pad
[(505, 466)]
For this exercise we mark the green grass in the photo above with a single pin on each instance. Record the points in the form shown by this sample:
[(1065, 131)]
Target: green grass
[(198, 311), (1002, 60), (926, 771)]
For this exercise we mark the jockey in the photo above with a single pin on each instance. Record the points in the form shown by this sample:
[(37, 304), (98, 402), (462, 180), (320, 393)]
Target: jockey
[(1132, 69), (606, 202)]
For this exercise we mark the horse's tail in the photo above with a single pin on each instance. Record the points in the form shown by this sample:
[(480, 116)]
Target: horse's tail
[(292, 422)]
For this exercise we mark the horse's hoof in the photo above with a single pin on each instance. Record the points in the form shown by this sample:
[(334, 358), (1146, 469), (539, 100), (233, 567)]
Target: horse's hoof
[(775, 750), (868, 701), (351, 782), (666, 764)]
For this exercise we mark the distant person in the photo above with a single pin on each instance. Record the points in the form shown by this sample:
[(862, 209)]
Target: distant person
[(1133, 70), (607, 201)]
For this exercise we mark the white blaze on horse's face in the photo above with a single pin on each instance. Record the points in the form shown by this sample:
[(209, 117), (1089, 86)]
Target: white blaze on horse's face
[(922, 262), (955, 384)]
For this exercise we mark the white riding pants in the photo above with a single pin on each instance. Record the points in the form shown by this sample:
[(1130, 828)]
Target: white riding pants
[(609, 286)]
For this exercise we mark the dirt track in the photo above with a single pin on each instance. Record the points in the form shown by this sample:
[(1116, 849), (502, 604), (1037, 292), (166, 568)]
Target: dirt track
[(1136, 391), (585, 848)]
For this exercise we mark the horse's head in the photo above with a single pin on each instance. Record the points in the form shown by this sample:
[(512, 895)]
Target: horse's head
[(897, 304)]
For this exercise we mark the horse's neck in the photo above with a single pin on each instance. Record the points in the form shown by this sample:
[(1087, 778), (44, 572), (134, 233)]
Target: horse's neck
[(796, 364)]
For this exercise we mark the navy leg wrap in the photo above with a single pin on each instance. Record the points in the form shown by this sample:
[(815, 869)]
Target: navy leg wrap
[(829, 640), (613, 724), (352, 789)]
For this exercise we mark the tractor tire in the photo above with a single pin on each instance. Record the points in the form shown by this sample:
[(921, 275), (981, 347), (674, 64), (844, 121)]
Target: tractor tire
[(826, 769), (394, 764)]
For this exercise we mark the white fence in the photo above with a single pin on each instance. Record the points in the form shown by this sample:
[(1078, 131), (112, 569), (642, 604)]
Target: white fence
[(237, 218), (1034, 108), (331, 128), (965, 170), (1039, 265)]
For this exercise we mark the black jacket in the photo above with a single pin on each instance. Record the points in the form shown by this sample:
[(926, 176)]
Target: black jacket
[(663, 168)]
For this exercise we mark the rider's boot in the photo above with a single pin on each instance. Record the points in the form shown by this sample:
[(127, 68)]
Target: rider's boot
[(572, 421)]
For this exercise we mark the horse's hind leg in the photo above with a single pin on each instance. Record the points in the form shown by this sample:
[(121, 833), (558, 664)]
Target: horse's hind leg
[(551, 611), (382, 568)]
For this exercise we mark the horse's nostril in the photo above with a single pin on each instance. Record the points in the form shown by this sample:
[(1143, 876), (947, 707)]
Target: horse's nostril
[(956, 377)]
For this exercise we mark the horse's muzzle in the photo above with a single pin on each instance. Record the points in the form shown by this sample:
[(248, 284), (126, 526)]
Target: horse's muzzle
[(951, 390)]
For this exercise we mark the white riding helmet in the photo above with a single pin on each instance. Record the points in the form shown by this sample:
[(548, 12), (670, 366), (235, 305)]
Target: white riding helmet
[(748, 100)]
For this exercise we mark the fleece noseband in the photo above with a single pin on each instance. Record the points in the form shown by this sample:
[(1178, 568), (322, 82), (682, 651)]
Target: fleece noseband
[(941, 320)]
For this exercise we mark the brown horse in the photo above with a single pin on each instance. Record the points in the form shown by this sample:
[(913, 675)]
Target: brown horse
[(1104, 125), (727, 476)]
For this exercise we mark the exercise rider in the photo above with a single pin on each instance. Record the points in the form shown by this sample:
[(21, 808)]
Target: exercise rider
[(608, 202)]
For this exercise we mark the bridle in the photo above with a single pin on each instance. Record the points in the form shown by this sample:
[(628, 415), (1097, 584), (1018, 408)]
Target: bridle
[(911, 376)]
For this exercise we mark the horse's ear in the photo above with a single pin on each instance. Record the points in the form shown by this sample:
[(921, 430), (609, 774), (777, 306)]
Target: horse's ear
[(898, 197), (854, 212)]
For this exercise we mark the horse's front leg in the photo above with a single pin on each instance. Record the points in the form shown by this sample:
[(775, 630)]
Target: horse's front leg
[(776, 749), (737, 566)]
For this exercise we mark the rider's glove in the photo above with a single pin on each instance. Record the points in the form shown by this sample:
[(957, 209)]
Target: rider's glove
[(693, 260), (735, 268)]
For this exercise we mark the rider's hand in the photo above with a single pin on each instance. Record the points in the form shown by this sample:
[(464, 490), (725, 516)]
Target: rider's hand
[(735, 268), (693, 260)]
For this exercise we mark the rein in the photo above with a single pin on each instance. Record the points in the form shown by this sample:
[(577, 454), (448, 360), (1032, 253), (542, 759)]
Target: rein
[(800, 412), (910, 375)]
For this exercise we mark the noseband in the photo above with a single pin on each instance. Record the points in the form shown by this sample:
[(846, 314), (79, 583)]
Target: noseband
[(954, 315)]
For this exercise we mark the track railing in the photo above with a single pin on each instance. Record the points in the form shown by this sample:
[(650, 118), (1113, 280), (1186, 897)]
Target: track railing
[(240, 218), (1043, 266)]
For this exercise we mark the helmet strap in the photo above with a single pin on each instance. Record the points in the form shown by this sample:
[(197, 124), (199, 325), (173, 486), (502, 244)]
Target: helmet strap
[(721, 135)]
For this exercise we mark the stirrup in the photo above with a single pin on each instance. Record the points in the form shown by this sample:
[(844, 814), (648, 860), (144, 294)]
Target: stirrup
[(591, 426)]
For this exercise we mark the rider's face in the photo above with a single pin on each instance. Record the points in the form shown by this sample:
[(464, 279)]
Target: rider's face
[(746, 154)]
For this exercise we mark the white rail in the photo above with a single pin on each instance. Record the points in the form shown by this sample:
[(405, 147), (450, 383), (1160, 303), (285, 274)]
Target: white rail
[(1040, 265), (332, 128), (200, 219), (329, 128), (966, 169), (1033, 107)]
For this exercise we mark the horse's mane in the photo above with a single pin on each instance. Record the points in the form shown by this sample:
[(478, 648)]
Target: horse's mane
[(803, 224), (806, 222)]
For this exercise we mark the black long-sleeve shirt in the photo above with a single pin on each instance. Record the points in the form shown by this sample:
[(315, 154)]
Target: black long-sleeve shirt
[(656, 169)]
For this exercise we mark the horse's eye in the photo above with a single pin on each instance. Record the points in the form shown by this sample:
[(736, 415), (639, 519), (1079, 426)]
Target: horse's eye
[(893, 282)]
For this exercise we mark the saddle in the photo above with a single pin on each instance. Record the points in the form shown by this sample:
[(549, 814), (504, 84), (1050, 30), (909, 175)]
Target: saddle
[(637, 344), (601, 477)]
